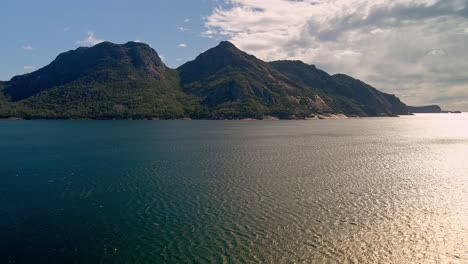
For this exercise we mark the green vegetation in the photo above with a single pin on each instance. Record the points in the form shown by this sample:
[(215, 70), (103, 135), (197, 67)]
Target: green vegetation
[(132, 99), (343, 93), (234, 84), (110, 81), (105, 81), (5, 106)]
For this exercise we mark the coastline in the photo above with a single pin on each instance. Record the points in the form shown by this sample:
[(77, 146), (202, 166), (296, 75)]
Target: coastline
[(264, 118), (322, 116)]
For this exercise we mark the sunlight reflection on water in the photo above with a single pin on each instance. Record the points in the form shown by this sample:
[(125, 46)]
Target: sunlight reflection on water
[(371, 190)]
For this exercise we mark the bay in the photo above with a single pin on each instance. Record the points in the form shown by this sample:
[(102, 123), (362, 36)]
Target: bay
[(359, 190)]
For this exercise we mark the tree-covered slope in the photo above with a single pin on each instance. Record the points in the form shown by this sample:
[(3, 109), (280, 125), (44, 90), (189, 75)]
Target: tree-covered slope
[(131, 81), (4, 104), (345, 93), (232, 83), (104, 81)]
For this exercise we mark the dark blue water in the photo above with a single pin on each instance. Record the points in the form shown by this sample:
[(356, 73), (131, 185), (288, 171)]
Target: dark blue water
[(388, 190)]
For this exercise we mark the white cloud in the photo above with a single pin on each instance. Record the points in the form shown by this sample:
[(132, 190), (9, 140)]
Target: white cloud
[(163, 58), (91, 40), (183, 29), (28, 47), (186, 20), (29, 67), (137, 40), (406, 47), (182, 45)]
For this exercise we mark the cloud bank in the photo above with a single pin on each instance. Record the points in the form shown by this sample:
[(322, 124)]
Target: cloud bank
[(415, 49)]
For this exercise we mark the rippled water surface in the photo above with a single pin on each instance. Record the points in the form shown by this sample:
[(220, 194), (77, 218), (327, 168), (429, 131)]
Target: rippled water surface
[(371, 190)]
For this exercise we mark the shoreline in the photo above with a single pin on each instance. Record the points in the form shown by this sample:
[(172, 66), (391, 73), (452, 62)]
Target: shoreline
[(265, 118)]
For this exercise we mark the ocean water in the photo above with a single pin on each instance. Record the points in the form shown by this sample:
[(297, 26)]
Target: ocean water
[(364, 190)]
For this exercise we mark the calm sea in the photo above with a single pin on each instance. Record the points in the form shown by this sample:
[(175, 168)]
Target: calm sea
[(365, 190)]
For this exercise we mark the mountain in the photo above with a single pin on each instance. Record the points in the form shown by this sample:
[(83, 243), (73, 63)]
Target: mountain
[(104, 81), (234, 84), (131, 81), (345, 93), (425, 109), (5, 110)]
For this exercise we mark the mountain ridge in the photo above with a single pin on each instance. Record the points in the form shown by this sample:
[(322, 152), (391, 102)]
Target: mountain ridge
[(131, 81), (365, 99), (231, 82)]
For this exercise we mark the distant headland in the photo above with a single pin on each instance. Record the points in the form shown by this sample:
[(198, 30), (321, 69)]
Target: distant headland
[(429, 109)]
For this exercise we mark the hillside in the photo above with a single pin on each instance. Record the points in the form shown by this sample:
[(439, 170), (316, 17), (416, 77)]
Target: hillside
[(345, 93), (104, 81), (234, 84), (131, 81)]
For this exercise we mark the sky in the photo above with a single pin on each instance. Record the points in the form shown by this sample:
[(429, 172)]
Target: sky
[(415, 49)]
